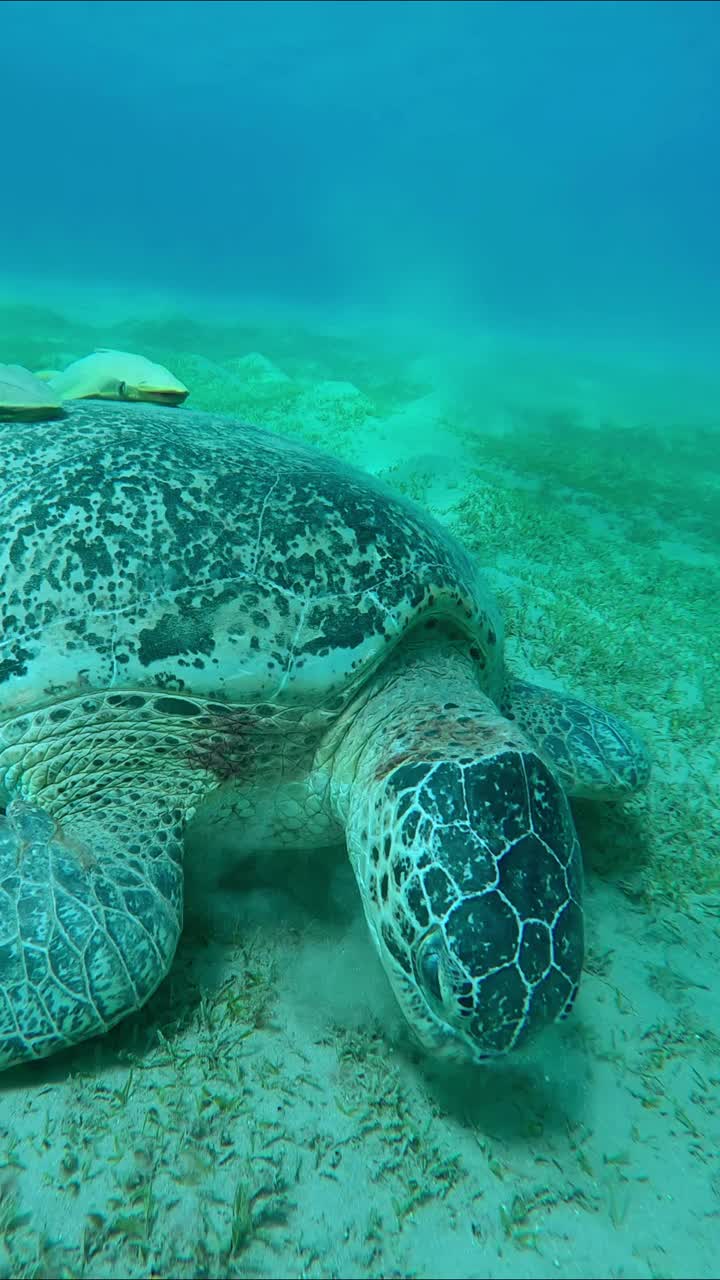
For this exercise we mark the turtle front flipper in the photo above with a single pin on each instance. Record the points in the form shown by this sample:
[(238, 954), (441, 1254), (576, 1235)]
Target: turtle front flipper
[(98, 791), (595, 754), (87, 930)]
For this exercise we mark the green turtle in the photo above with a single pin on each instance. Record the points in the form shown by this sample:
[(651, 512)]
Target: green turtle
[(24, 397), (116, 375), (212, 633)]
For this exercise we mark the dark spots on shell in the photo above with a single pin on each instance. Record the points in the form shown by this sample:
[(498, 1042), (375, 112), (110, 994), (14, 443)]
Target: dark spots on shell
[(491, 636), (188, 528), (175, 634), (93, 554), (384, 885), (169, 680), (15, 666), (348, 632), (17, 549)]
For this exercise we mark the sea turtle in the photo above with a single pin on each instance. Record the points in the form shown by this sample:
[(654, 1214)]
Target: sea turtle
[(116, 375), (211, 631), (24, 397)]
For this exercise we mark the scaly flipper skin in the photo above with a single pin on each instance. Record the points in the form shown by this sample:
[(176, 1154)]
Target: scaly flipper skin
[(84, 938), (467, 860), (594, 754), (91, 881)]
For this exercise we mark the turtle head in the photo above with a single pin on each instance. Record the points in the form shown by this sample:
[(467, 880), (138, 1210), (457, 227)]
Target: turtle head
[(472, 890)]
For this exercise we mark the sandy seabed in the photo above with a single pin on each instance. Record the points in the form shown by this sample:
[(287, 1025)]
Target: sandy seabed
[(267, 1113)]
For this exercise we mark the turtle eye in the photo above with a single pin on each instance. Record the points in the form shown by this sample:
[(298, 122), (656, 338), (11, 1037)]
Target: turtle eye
[(430, 970), (428, 966)]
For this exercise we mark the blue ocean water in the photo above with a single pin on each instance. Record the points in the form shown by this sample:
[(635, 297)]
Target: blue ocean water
[(550, 167)]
